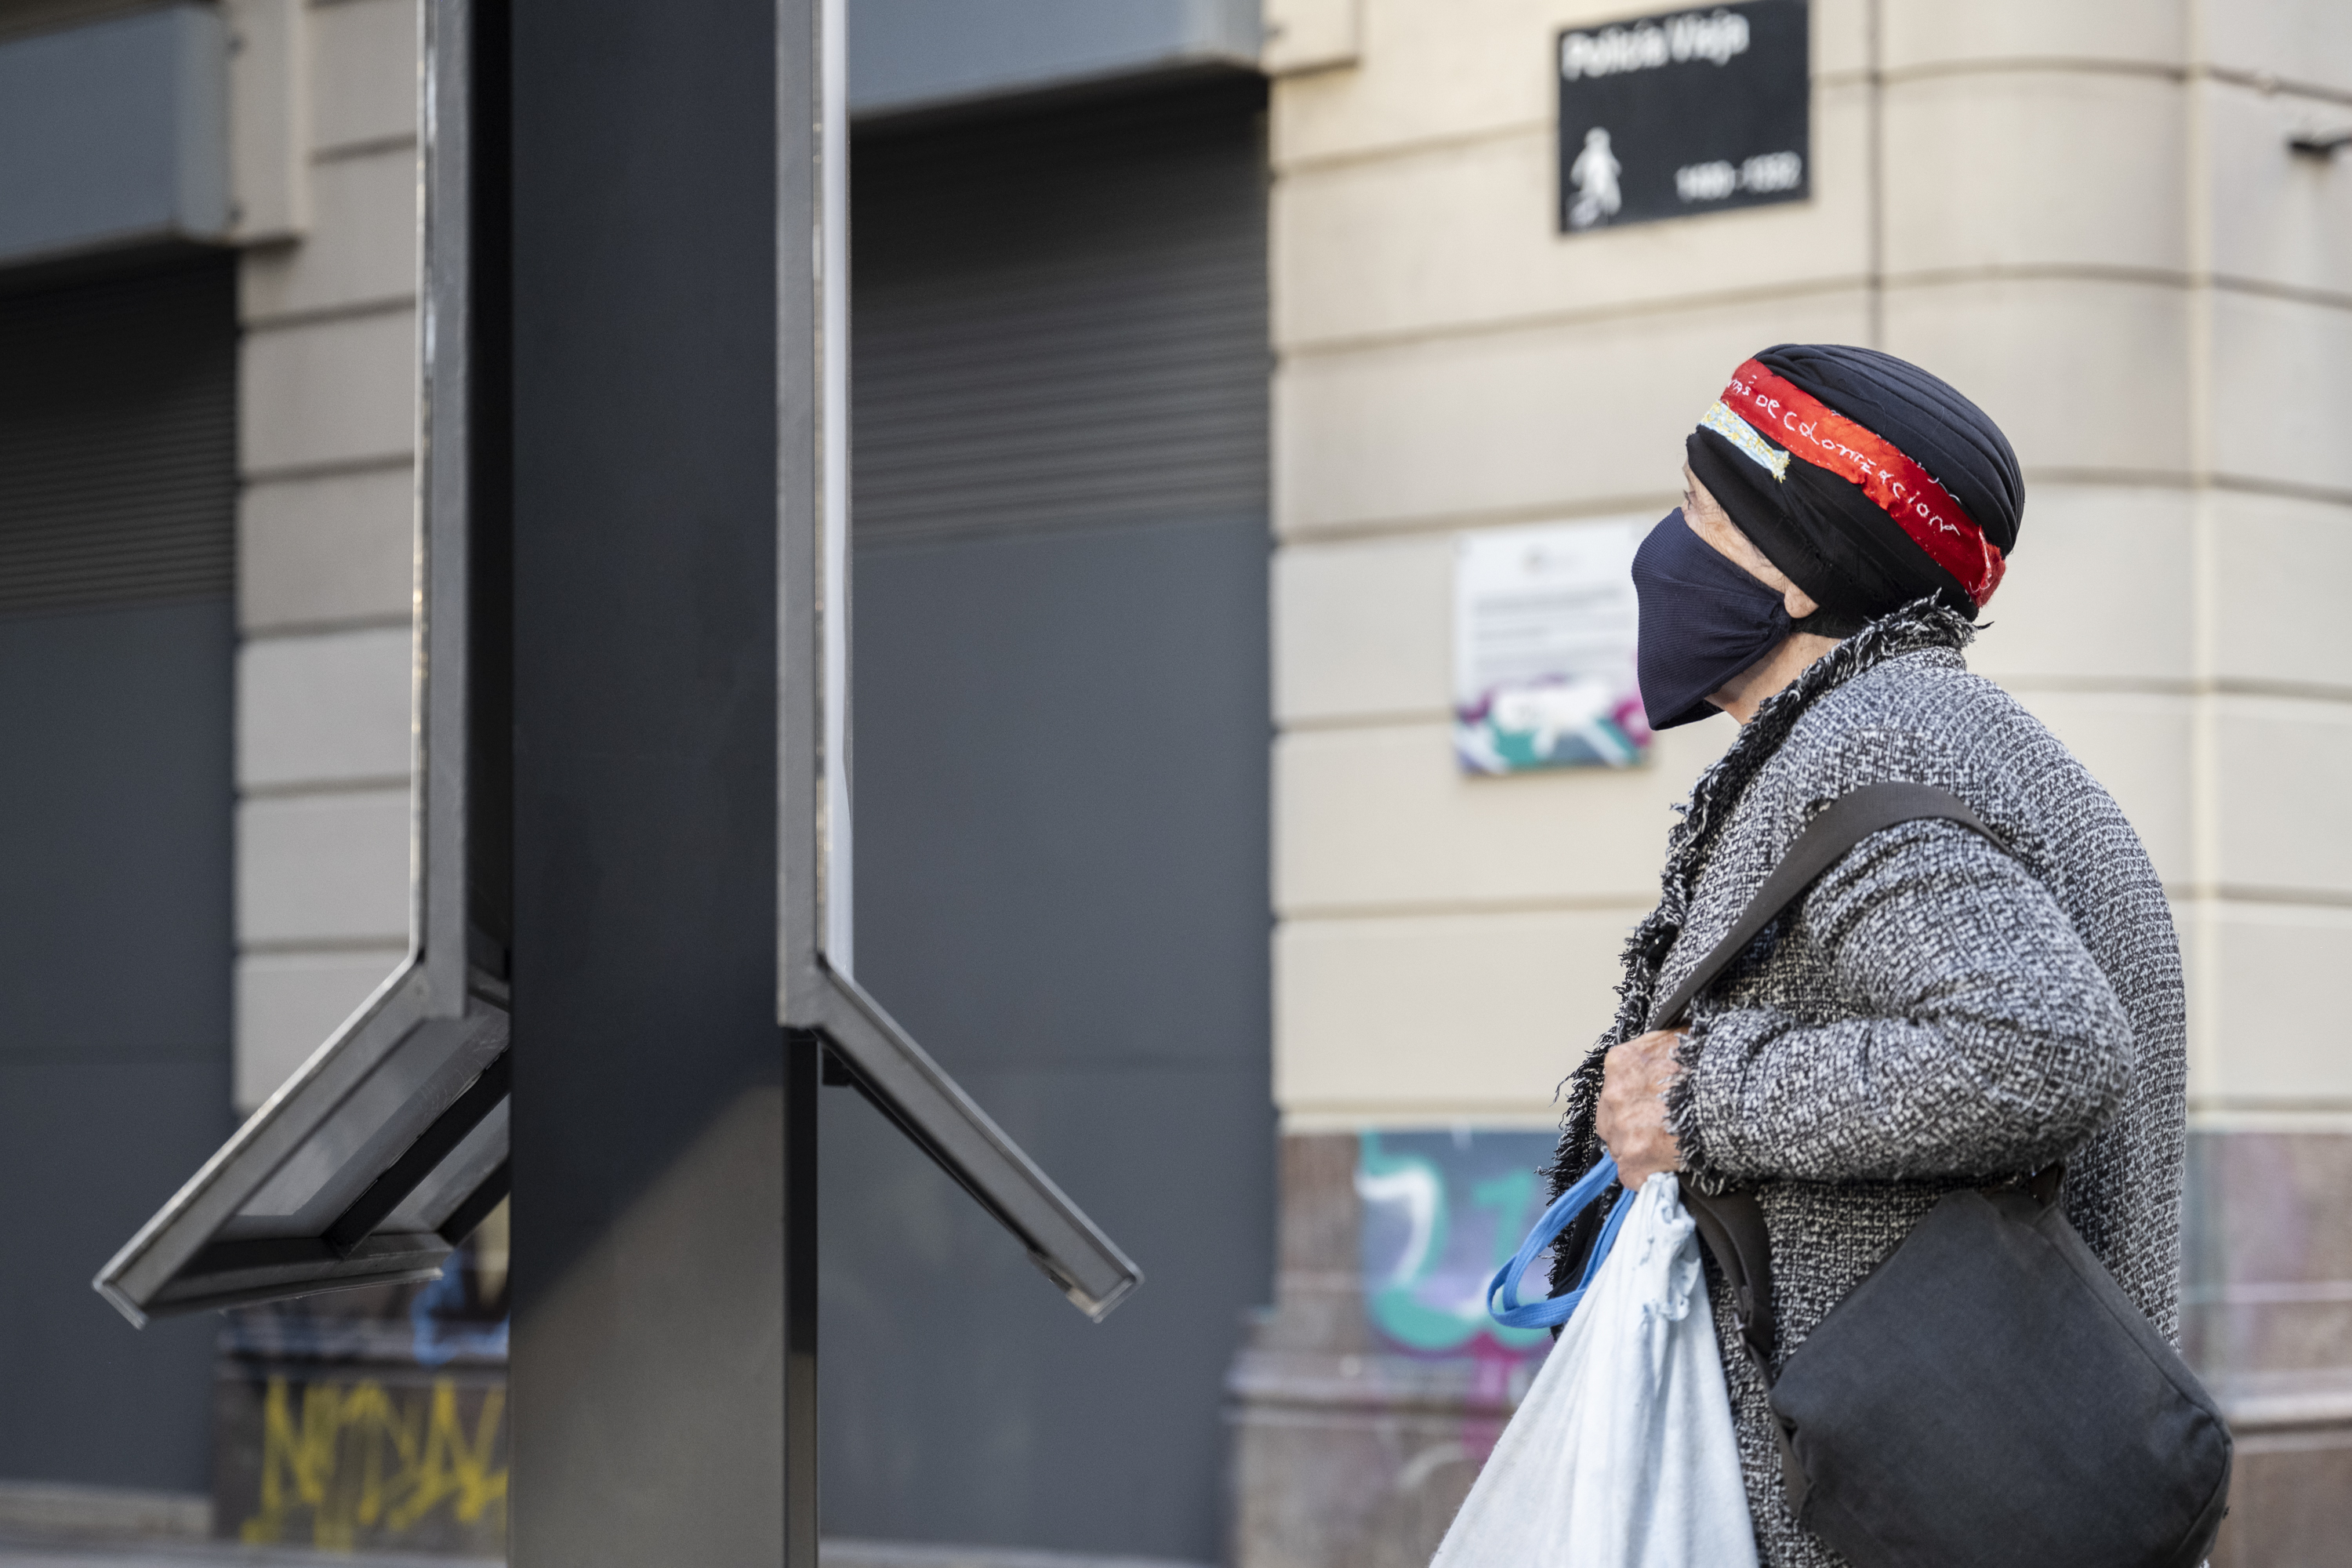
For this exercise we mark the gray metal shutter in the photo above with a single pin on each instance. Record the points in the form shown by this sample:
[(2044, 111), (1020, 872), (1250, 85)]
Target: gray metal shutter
[(118, 442), (118, 489), (1060, 360), (1059, 327)]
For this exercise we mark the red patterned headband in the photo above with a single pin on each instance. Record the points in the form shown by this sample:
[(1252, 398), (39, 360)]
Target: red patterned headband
[(1819, 435)]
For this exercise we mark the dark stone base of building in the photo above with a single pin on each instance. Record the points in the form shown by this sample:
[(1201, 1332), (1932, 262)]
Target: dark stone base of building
[(1349, 1453), (2266, 1320)]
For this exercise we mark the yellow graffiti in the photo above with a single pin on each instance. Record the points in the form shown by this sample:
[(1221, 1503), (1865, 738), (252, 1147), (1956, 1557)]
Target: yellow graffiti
[(358, 1459)]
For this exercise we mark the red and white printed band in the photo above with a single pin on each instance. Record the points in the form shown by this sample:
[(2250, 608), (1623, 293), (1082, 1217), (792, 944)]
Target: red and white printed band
[(1816, 433)]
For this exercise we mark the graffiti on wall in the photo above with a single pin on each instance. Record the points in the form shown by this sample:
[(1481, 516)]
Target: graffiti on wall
[(368, 1461), (375, 1417), (446, 1323), (1442, 1211)]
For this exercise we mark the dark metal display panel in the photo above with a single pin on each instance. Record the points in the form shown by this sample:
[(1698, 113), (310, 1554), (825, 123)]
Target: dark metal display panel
[(117, 487), (679, 803), (1061, 736), (652, 1090)]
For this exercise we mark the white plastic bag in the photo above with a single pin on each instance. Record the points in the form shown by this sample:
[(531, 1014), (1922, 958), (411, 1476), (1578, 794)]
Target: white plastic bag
[(1621, 1455)]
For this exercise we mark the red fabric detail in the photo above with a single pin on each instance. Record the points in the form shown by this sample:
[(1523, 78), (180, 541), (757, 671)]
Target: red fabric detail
[(1818, 434)]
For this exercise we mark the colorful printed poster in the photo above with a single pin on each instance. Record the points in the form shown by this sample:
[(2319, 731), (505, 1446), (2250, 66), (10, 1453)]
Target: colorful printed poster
[(1543, 624)]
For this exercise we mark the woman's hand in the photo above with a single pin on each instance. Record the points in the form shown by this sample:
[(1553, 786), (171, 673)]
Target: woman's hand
[(1631, 1115)]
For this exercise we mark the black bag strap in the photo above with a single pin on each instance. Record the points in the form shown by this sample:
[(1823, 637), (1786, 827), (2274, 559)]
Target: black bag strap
[(1732, 1224), (1843, 824)]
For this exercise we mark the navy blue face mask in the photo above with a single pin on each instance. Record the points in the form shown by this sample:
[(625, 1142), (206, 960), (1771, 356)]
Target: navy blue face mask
[(1704, 620)]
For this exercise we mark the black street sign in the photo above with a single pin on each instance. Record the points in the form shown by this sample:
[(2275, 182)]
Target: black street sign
[(1684, 112)]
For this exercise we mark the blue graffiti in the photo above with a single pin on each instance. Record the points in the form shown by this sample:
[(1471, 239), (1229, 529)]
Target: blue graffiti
[(438, 1342)]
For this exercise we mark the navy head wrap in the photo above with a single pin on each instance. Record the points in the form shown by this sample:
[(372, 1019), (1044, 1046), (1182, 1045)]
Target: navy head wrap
[(1819, 451)]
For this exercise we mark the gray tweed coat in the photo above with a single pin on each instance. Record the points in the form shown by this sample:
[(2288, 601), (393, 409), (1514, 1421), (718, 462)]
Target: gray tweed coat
[(1934, 1014)]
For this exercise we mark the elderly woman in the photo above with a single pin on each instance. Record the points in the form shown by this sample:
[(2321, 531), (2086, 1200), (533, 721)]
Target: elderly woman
[(1935, 1013)]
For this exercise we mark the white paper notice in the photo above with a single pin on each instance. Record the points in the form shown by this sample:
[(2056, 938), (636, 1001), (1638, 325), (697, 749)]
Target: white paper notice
[(1543, 624)]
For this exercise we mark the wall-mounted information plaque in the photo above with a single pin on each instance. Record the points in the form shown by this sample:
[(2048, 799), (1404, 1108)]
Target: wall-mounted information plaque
[(1544, 631)]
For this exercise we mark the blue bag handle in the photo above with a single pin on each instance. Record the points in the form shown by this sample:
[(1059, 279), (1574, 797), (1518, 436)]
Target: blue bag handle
[(1512, 1313)]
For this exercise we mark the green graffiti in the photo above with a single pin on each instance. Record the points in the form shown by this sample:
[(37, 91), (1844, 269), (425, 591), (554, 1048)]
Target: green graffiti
[(1416, 1302)]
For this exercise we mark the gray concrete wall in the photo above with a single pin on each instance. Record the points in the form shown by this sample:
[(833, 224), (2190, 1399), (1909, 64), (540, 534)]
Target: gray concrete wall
[(114, 134), (912, 54)]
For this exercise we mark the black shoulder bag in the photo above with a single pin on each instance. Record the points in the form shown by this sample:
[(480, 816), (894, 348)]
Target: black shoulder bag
[(1988, 1396)]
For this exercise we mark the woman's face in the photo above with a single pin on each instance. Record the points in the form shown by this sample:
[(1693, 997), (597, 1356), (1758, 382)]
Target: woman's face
[(1708, 519)]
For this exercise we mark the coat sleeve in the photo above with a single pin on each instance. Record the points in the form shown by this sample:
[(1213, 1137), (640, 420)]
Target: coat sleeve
[(1969, 1032)]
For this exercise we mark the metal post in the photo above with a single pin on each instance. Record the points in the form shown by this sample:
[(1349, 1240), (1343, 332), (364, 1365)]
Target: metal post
[(663, 1356)]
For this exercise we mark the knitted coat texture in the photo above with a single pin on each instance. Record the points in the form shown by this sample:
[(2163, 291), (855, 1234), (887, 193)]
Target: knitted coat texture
[(1934, 1014)]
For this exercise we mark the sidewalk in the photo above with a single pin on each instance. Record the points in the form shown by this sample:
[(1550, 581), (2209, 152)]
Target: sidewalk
[(23, 1553)]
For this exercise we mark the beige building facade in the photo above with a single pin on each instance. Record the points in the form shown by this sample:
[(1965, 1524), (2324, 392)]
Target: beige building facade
[(326, 522), (2094, 221)]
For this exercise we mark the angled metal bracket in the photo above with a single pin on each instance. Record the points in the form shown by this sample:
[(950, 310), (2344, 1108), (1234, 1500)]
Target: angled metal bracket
[(388, 1145), (817, 991)]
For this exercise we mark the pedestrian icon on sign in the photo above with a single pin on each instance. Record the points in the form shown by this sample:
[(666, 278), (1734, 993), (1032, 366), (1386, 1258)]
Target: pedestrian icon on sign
[(1594, 175)]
